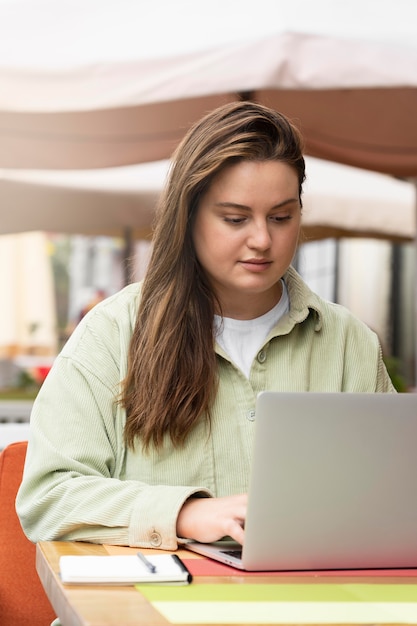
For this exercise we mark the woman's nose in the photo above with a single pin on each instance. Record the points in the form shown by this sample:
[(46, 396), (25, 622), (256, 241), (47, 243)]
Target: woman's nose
[(259, 237)]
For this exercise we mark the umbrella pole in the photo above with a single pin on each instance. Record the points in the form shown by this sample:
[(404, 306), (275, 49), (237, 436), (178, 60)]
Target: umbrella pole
[(414, 181), (127, 258)]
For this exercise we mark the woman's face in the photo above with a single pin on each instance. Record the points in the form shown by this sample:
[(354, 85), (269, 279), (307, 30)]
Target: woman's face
[(246, 232)]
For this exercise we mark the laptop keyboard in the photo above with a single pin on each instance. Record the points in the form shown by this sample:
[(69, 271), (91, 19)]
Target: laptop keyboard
[(237, 554)]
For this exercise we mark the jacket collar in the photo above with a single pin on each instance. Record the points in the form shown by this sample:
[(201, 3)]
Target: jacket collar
[(303, 301)]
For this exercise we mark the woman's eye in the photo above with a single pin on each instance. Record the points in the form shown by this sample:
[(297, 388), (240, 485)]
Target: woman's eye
[(234, 220), (280, 218)]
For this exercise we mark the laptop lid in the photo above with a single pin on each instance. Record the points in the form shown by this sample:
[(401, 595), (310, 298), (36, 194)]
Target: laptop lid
[(333, 483)]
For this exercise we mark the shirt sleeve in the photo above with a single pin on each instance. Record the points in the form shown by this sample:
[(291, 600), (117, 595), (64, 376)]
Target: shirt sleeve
[(71, 488)]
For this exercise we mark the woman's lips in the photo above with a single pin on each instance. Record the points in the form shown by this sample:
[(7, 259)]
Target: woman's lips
[(256, 265)]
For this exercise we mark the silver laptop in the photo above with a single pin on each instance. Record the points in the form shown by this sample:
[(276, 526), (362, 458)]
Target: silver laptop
[(333, 484)]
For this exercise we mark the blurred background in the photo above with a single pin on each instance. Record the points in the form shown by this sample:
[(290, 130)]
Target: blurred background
[(94, 97)]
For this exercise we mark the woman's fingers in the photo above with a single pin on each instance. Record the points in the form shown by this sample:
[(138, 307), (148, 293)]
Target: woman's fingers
[(210, 519)]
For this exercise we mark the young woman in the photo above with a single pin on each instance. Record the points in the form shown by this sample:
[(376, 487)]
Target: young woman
[(142, 432)]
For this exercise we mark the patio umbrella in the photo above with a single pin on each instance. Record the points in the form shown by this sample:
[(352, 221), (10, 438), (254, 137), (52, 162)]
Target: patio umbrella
[(339, 201), (106, 83), (90, 202), (116, 82)]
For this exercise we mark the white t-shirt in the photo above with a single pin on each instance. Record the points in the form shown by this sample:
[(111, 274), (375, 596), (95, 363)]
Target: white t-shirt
[(242, 339)]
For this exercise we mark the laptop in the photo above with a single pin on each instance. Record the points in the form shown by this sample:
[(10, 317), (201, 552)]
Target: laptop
[(333, 484)]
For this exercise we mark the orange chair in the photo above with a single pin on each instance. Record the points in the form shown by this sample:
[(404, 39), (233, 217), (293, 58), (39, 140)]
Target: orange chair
[(23, 601)]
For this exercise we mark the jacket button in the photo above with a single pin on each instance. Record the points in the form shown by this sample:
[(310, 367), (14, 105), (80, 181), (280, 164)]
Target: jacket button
[(155, 540), (250, 415), (262, 356)]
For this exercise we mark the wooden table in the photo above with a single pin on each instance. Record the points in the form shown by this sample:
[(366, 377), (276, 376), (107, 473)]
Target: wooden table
[(88, 605)]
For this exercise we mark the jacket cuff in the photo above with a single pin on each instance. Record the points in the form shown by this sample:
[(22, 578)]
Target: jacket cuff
[(154, 518)]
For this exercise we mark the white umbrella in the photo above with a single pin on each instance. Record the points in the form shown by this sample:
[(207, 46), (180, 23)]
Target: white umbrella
[(115, 82), (344, 201), (92, 202), (339, 201)]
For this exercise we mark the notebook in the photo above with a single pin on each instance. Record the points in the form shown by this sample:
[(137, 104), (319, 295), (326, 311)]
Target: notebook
[(333, 484), (123, 569)]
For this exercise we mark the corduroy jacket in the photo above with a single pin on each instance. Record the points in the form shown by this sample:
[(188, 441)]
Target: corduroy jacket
[(81, 482)]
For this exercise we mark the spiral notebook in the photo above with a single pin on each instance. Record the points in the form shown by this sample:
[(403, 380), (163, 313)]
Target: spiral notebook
[(123, 569)]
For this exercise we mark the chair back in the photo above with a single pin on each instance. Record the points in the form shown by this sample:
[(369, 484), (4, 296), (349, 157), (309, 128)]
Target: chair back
[(22, 598)]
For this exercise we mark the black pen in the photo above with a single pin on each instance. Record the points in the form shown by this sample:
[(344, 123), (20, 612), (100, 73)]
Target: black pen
[(182, 567), (150, 566)]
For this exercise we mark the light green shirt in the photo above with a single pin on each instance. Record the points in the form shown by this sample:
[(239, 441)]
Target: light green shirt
[(81, 483)]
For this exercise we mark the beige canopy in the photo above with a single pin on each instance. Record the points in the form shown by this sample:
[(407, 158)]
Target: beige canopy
[(339, 201), (115, 82)]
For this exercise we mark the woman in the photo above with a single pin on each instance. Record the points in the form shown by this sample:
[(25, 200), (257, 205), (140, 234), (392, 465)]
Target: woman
[(142, 432)]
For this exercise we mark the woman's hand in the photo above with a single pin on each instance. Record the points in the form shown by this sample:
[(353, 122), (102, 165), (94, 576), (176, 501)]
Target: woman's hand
[(210, 519)]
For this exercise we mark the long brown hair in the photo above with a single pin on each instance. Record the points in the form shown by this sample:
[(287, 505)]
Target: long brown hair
[(172, 371)]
